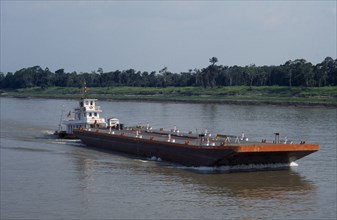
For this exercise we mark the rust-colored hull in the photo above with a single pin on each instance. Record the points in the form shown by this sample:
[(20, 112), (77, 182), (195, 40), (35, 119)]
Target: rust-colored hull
[(194, 155)]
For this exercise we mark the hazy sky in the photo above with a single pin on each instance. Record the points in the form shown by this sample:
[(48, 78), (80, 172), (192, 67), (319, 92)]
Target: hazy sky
[(82, 36)]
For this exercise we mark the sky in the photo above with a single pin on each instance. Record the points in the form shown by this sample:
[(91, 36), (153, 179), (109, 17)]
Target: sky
[(83, 36)]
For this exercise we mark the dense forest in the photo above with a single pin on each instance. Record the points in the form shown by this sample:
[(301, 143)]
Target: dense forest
[(292, 73)]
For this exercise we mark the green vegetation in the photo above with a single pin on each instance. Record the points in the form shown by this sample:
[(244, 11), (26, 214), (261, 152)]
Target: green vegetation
[(295, 82), (279, 95), (297, 73)]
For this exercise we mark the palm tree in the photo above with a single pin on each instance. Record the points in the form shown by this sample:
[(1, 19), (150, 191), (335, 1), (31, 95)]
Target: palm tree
[(213, 60)]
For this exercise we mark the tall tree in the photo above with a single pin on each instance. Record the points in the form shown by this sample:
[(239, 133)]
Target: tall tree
[(213, 60), (252, 73)]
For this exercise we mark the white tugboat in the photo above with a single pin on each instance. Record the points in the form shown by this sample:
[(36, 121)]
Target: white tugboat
[(85, 116)]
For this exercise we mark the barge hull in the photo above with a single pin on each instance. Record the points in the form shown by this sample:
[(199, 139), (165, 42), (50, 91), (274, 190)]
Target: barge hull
[(192, 155)]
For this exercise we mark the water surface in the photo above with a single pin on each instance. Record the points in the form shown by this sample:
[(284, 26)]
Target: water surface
[(47, 178)]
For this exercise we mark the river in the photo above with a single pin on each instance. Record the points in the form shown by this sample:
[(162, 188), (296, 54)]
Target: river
[(47, 178)]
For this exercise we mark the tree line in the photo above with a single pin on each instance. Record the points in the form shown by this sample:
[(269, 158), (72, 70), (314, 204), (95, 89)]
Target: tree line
[(292, 73)]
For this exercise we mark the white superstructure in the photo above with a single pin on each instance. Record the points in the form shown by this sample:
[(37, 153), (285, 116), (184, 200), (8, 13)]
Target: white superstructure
[(87, 116)]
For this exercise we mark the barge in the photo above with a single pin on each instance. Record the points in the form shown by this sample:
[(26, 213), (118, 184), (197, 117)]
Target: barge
[(198, 150)]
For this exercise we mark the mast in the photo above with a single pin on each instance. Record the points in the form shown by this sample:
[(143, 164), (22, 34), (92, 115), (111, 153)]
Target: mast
[(60, 123), (84, 91)]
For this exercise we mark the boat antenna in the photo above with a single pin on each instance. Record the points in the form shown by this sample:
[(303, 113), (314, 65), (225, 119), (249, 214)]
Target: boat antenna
[(84, 90), (60, 123)]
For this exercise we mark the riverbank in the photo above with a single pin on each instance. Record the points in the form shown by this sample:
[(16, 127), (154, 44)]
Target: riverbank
[(275, 95)]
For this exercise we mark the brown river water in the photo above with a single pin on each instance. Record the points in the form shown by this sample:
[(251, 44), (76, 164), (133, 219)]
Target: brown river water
[(47, 178)]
